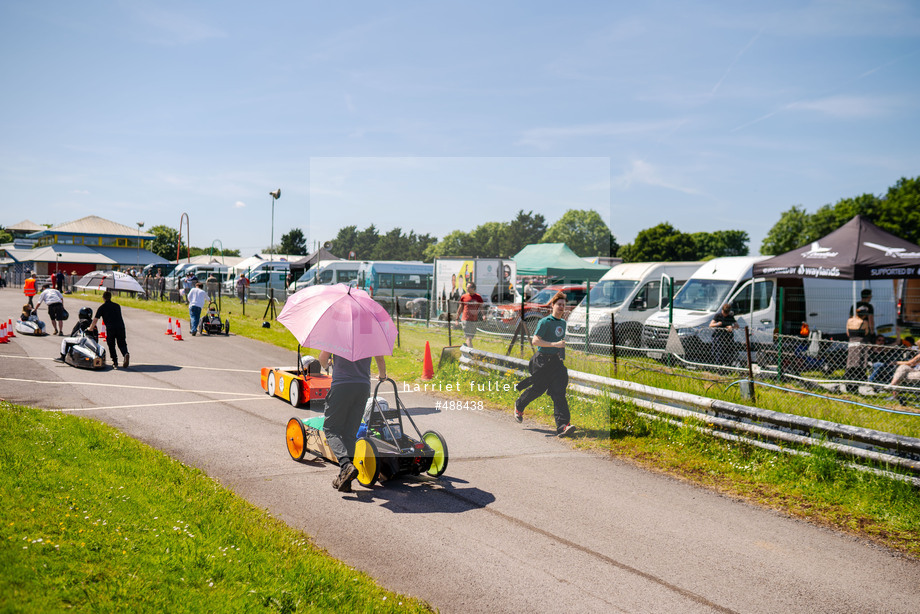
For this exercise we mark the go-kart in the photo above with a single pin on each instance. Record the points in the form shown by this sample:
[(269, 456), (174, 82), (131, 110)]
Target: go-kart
[(383, 447), (87, 353), (211, 323), (29, 327), (300, 385)]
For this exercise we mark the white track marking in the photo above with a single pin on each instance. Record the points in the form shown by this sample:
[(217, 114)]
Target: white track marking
[(159, 404), (45, 382)]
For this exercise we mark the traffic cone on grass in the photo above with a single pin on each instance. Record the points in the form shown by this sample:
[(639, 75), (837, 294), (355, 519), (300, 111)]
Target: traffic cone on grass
[(178, 336), (169, 330), (427, 367), (10, 333)]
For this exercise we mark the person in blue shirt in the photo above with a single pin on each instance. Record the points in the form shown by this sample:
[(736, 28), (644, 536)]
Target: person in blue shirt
[(351, 386), (548, 371)]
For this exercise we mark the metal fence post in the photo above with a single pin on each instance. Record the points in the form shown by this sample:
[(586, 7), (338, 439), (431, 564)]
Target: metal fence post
[(587, 317), (613, 341), (747, 343), (779, 340)]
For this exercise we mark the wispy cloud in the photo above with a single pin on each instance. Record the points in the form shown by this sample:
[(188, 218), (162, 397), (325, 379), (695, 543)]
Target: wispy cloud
[(544, 138), (239, 204), (728, 70), (642, 173), (839, 107), (174, 28)]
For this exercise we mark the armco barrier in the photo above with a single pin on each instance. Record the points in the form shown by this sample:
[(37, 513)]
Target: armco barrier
[(855, 442)]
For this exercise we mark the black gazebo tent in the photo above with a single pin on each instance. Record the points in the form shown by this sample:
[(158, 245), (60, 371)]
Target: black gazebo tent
[(307, 262), (858, 250)]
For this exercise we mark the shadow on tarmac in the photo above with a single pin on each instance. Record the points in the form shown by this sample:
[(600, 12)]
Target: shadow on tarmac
[(423, 495)]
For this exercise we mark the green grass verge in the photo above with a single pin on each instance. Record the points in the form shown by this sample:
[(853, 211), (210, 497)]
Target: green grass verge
[(95, 521), (818, 488)]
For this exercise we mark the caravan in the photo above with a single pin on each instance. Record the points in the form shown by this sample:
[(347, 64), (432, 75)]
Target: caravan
[(391, 281), (326, 273), (626, 295)]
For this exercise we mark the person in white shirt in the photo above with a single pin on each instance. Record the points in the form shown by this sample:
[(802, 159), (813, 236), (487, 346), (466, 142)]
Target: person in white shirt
[(197, 299), (55, 301)]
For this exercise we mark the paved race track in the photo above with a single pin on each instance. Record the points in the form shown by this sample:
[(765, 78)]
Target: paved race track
[(519, 523)]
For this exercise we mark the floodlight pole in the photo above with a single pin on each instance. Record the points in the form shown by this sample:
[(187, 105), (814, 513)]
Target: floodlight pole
[(275, 196), (139, 226)]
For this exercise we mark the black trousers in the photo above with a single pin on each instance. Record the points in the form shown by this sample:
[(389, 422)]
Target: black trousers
[(548, 375), (344, 411), (114, 338)]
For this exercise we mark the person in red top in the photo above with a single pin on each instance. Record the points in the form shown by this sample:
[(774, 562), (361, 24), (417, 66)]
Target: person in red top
[(468, 312), (28, 288)]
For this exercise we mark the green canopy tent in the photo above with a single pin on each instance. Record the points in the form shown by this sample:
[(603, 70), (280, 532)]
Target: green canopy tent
[(557, 261)]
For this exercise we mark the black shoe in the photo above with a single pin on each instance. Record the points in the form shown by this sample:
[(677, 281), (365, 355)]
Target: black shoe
[(518, 413), (60, 358), (127, 358), (566, 430), (343, 482)]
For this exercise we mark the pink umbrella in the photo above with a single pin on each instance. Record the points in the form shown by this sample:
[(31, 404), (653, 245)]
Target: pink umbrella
[(339, 319)]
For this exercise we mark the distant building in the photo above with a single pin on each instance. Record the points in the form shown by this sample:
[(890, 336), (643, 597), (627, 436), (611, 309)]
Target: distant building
[(88, 244)]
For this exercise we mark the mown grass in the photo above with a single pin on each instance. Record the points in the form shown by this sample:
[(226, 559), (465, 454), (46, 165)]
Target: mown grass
[(95, 521), (818, 487)]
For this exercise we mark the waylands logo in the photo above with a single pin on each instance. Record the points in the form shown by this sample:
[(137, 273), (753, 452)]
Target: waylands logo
[(893, 252), (817, 251)]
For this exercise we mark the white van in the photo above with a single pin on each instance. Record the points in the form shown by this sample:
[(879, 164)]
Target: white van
[(328, 272), (821, 303), (628, 294)]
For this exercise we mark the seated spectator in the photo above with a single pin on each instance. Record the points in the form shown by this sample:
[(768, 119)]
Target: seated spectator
[(907, 369)]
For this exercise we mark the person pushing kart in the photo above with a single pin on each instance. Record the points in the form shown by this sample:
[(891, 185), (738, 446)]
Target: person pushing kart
[(110, 313), (548, 371), (351, 386)]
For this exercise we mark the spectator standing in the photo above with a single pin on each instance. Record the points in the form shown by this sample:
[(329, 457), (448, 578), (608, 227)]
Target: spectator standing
[(866, 301), (28, 288), (55, 301), (161, 285), (110, 314), (59, 281), (242, 284), (723, 335), (468, 312), (197, 299), (547, 368)]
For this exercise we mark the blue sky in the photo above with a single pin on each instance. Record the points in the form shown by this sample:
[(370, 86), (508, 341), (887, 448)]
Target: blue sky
[(435, 117)]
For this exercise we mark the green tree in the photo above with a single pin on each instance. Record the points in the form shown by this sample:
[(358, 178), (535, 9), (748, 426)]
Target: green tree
[(457, 243), (720, 243), (293, 243), (164, 242), (788, 233), (5, 235), (661, 243), (365, 242), (418, 245), (584, 231), (345, 241), (899, 211), (523, 230), (391, 246)]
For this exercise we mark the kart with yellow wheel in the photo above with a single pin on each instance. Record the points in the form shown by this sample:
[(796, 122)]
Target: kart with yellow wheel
[(383, 450)]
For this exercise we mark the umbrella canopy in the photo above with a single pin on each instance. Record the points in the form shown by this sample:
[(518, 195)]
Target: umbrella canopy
[(341, 320), (857, 250), (109, 280)]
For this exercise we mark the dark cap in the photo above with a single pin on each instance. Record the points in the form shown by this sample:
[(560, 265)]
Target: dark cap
[(866, 292)]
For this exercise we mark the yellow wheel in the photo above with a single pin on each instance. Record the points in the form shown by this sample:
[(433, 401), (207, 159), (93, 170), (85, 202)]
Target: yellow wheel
[(366, 462), (296, 439), (433, 440)]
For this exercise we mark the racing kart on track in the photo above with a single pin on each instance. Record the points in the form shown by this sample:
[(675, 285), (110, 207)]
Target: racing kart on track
[(301, 385), (211, 323), (29, 327), (384, 448), (87, 353)]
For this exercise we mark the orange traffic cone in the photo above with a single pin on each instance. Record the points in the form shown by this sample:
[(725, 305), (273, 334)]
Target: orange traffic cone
[(4, 336), (178, 336), (169, 330), (9, 329), (102, 331), (427, 367)]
